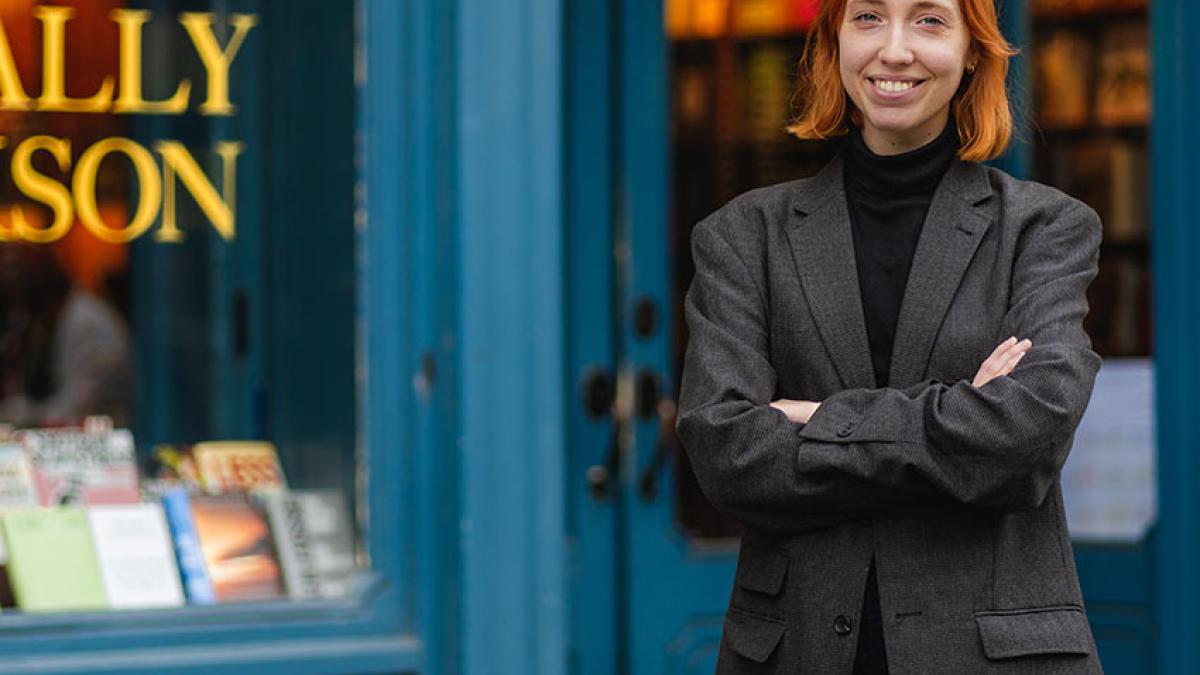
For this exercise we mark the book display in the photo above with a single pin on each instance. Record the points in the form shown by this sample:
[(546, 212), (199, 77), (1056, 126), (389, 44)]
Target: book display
[(1090, 138), (81, 530)]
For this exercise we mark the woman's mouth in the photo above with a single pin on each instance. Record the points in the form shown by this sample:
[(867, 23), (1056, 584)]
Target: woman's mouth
[(893, 89)]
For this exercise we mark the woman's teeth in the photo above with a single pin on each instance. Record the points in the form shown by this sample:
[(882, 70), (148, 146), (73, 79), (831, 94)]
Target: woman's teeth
[(892, 86)]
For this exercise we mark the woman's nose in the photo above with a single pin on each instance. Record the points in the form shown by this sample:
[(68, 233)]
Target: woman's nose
[(895, 49)]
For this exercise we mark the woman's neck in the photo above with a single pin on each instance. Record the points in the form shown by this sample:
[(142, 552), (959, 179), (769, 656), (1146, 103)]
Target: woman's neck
[(916, 170)]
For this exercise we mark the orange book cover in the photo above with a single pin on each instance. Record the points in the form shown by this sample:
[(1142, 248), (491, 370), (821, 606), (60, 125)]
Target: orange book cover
[(227, 466), (239, 553)]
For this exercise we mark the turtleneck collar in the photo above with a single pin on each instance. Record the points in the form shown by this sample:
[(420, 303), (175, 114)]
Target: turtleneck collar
[(916, 171)]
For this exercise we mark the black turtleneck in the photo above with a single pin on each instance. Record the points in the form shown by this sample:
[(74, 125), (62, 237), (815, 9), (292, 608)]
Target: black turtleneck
[(888, 197)]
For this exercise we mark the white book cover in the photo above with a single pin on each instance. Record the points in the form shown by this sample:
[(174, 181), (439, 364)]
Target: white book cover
[(17, 489), (16, 477), (137, 560)]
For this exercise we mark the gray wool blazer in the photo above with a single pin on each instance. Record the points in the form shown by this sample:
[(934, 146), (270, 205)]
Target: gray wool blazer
[(953, 489)]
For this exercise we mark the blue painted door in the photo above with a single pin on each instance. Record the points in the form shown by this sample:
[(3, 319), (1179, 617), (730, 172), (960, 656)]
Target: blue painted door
[(651, 564), (679, 555)]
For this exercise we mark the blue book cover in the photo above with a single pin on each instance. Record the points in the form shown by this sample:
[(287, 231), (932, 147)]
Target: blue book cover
[(196, 584)]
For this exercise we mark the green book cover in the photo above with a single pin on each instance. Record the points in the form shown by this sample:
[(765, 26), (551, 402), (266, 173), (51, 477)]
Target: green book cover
[(51, 560)]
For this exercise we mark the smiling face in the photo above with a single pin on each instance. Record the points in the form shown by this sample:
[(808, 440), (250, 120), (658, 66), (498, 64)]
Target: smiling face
[(901, 62)]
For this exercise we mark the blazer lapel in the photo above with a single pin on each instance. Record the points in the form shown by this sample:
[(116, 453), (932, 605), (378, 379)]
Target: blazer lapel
[(952, 231), (823, 248)]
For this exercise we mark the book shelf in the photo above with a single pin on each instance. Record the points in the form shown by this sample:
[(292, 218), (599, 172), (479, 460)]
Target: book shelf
[(1090, 137)]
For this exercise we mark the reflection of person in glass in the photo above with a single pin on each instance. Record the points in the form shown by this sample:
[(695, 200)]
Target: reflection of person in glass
[(64, 352), (886, 366)]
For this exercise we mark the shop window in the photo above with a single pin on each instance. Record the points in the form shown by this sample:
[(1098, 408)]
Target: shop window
[(1091, 71), (178, 328)]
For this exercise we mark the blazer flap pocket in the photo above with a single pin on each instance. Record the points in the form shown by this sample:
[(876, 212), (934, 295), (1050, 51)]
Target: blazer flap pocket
[(761, 570), (1021, 632), (751, 635)]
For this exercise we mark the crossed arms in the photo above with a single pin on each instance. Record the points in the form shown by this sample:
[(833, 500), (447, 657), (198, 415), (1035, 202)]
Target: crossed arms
[(998, 446)]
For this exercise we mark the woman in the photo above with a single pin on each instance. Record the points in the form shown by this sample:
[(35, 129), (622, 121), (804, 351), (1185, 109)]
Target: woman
[(886, 366)]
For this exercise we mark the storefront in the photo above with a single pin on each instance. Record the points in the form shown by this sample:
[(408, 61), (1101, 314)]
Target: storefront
[(432, 255)]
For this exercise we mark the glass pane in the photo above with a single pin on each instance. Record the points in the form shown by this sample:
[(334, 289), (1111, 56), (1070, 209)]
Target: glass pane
[(177, 303), (1091, 66)]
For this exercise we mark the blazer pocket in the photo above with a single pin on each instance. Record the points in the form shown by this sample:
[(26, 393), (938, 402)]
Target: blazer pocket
[(752, 635), (761, 570), (1036, 630)]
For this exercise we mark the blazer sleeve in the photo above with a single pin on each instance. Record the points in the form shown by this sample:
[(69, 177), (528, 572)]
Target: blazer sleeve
[(999, 446), (745, 453)]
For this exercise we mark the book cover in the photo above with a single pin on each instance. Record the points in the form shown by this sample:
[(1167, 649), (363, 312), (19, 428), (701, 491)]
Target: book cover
[(134, 551), (177, 506), (1063, 79), (236, 543), (761, 17), (51, 560), (1123, 88), (227, 466), (16, 477), (315, 541), (78, 467), (17, 490)]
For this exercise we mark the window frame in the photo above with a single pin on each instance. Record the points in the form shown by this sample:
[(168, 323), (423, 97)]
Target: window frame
[(391, 622)]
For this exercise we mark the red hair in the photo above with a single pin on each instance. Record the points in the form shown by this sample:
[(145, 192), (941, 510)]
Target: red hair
[(980, 107)]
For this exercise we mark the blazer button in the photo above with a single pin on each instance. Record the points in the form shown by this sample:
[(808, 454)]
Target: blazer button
[(845, 431), (842, 625)]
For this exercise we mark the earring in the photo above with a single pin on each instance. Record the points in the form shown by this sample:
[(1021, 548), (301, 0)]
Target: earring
[(971, 69)]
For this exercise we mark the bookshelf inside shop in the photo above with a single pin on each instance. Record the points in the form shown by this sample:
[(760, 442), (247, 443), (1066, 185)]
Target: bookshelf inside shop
[(733, 68), (1090, 64)]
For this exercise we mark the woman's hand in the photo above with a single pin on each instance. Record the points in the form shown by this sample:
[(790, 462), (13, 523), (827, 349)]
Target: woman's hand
[(796, 411), (1002, 361)]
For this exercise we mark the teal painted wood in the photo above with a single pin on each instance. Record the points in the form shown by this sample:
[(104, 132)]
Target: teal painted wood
[(1175, 247), (428, 162), (511, 427), (676, 591), (1014, 23), (593, 596)]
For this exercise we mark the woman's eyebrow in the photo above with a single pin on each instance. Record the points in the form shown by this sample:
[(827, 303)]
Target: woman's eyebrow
[(922, 4), (929, 4)]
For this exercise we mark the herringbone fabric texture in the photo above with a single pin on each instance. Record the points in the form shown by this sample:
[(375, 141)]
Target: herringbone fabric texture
[(954, 489)]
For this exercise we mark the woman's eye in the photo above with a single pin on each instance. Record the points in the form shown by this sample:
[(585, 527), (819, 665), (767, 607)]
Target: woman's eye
[(935, 21), (868, 18)]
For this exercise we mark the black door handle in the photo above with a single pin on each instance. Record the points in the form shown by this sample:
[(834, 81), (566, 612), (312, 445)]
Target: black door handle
[(598, 391), (653, 403)]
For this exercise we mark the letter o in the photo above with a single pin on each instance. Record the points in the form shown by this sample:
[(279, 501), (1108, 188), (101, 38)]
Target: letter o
[(84, 187)]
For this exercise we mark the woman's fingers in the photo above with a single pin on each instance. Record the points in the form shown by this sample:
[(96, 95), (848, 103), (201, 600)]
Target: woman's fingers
[(1002, 360), (1014, 356), (1001, 348)]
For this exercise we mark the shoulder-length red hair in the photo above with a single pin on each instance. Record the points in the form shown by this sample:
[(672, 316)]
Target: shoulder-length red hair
[(980, 107)]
